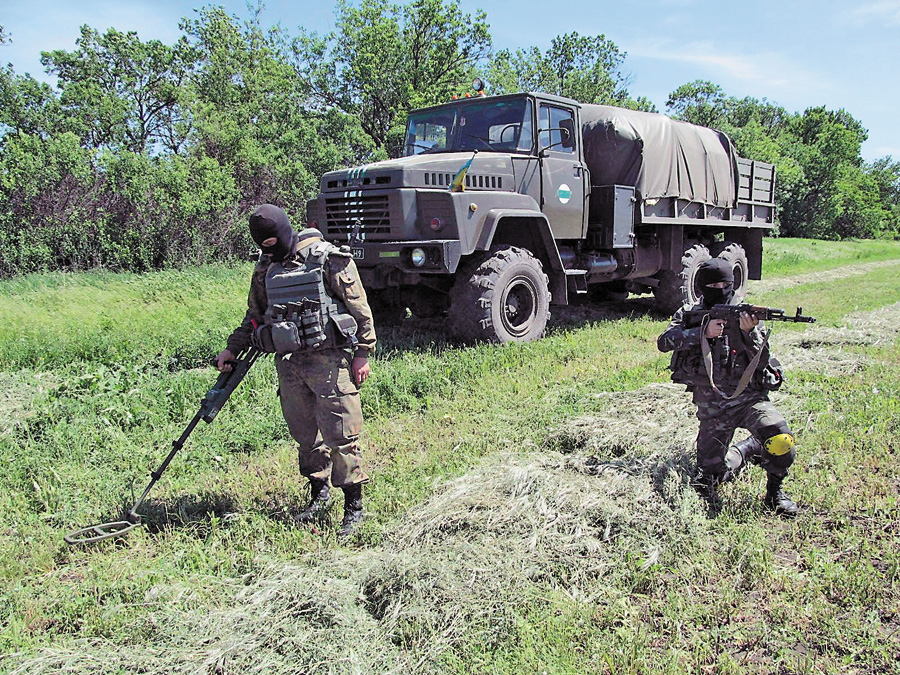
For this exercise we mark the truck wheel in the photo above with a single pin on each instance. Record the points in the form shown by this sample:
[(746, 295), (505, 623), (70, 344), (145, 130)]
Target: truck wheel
[(501, 297), (737, 256), (676, 289)]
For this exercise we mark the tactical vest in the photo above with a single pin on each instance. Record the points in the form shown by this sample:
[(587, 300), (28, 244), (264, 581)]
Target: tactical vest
[(301, 314), (728, 366)]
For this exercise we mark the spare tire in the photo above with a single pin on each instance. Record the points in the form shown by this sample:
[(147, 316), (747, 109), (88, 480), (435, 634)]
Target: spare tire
[(737, 257)]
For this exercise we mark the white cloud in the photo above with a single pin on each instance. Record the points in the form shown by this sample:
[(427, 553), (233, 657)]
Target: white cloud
[(877, 12), (747, 71)]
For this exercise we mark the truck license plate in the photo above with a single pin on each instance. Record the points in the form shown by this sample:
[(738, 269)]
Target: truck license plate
[(358, 253)]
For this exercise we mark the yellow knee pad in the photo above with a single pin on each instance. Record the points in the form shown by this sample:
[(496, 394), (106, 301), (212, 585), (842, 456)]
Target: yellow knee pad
[(779, 444)]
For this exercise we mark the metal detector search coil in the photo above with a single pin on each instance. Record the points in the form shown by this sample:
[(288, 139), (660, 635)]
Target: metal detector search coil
[(95, 533)]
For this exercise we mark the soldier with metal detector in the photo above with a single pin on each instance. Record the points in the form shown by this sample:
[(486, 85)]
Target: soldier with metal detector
[(308, 307), (723, 358)]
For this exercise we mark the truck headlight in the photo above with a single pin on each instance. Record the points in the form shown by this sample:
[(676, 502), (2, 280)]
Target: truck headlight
[(417, 256)]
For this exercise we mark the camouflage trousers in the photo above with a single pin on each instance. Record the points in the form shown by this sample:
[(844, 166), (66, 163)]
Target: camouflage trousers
[(321, 406), (718, 422)]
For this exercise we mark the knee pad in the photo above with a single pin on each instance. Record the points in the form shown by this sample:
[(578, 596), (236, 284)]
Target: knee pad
[(779, 444)]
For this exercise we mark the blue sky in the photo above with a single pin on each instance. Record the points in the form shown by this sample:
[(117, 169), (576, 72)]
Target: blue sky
[(797, 53)]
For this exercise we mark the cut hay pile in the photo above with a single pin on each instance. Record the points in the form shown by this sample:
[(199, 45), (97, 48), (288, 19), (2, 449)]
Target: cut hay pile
[(457, 568), (831, 351)]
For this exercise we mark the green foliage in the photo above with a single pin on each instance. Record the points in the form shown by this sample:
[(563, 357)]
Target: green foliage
[(585, 68), (384, 59), (147, 155), (122, 93)]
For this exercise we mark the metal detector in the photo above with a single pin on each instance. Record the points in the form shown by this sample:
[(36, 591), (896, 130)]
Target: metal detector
[(210, 406)]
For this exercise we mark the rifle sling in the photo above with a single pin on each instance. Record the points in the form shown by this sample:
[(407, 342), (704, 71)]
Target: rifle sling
[(708, 362)]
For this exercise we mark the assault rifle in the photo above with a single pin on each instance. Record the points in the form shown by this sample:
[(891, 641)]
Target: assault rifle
[(210, 405), (696, 317)]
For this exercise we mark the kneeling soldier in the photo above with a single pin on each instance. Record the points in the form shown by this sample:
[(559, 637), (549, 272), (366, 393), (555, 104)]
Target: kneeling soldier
[(308, 307), (728, 395)]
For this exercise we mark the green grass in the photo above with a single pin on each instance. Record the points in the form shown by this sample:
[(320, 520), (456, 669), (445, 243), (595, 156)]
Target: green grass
[(788, 257), (101, 372)]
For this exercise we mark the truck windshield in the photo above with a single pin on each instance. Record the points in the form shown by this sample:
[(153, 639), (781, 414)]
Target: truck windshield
[(483, 124)]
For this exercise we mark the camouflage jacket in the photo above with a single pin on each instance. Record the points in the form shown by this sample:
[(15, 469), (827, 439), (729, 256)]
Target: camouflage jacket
[(341, 279), (732, 354)]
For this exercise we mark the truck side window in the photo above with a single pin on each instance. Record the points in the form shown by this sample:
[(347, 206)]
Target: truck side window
[(551, 122)]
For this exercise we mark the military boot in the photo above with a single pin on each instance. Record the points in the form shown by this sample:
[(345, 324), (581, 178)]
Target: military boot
[(739, 455), (776, 500), (353, 511), (320, 500), (707, 486)]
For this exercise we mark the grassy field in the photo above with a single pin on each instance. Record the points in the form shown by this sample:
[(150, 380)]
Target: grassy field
[(528, 512)]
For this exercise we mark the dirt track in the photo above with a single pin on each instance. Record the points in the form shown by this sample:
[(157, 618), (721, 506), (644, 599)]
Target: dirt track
[(766, 285)]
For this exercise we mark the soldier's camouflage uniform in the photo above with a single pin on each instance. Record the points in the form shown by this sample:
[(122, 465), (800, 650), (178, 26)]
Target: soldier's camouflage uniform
[(319, 399), (719, 417)]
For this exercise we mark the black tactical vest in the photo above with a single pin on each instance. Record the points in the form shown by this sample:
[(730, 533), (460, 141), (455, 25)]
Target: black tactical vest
[(302, 315), (728, 366)]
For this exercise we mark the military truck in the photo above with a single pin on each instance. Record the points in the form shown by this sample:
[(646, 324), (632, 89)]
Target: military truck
[(504, 205)]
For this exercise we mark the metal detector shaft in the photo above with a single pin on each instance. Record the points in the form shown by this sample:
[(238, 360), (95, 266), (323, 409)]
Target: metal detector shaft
[(209, 407), (155, 475)]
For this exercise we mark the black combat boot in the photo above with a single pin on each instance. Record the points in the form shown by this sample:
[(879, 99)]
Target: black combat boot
[(776, 500), (320, 500), (353, 511), (707, 486), (739, 455)]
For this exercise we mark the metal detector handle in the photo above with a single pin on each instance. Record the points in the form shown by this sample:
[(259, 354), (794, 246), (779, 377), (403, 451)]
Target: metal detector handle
[(226, 384)]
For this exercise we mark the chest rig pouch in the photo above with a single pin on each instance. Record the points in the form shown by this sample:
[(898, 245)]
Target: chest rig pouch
[(301, 315)]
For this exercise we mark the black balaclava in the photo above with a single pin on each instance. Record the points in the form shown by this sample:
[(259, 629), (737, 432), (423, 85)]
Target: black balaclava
[(271, 221), (713, 271)]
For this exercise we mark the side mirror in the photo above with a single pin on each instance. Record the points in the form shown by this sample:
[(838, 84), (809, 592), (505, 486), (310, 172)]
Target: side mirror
[(566, 140), (567, 129)]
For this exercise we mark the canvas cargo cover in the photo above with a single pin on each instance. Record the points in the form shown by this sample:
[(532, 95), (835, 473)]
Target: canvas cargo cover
[(659, 156)]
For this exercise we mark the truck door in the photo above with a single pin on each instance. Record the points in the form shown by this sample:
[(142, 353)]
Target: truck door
[(564, 174)]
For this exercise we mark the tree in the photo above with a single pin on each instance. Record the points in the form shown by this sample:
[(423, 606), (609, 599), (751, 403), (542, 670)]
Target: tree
[(124, 93), (699, 102), (587, 69), (384, 59)]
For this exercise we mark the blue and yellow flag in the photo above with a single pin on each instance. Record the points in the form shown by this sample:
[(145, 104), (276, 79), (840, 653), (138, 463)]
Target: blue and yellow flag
[(459, 180)]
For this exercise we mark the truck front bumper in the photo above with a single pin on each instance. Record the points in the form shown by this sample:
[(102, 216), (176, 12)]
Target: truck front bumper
[(379, 260)]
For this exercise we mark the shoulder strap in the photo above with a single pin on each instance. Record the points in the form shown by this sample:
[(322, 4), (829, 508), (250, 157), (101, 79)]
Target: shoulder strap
[(708, 363)]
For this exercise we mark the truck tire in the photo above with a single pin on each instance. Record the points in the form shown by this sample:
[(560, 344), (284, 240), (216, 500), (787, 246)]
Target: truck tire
[(737, 256), (677, 289), (501, 296)]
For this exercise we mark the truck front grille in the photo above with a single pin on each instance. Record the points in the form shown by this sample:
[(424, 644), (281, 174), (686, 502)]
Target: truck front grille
[(364, 214)]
